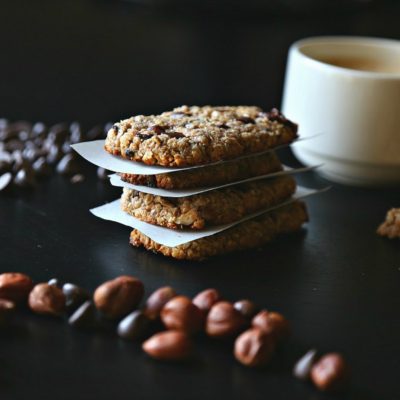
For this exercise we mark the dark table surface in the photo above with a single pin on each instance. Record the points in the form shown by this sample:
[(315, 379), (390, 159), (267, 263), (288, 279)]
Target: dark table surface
[(337, 282)]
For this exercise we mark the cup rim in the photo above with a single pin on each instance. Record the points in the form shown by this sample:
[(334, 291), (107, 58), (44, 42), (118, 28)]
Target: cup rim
[(386, 42)]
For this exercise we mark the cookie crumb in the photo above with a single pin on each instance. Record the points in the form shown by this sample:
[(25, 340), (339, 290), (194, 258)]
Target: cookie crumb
[(391, 226)]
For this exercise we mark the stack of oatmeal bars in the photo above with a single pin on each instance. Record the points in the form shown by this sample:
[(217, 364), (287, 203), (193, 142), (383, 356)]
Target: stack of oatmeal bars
[(217, 146)]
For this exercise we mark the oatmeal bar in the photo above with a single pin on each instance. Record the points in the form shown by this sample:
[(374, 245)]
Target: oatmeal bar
[(249, 234), (188, 136), (211, 175), (391, 226), (215, 207)]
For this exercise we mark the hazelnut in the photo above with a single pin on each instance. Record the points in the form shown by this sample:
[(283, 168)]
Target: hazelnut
[(254, 347), (223, 320), (47, 299), (119, 296), (206, 299), (181, 314), (157, 300), (170, 345), (15, 286), (246, 307), (272, 322), (330, 373)]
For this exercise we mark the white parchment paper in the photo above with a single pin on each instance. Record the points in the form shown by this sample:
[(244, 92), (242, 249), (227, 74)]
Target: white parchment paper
[(170, 237), (94, 152), (116, 180)]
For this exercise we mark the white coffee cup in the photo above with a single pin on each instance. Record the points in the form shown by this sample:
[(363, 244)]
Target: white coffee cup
[(354, 113)]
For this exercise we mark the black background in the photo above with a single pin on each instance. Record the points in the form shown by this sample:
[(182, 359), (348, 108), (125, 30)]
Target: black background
[(94, 61)]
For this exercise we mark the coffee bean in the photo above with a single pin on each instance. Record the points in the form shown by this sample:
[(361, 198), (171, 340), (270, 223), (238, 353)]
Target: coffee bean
[(246, 307), (330, 373), (84, 317), (157, 301), (3, 123), (5, 180), (5, 166), (68, 165), (74, 296), (54, 154), (302, 368), (66, 147), (14, 145), (41, 167), (39, 129), (25, 178), (224, 320), (58, 132), (7, 311), (182, 315), (119, 296), (134, 326), (24, 136), (169, 346), (102, 174), (254, 348), (206, 299), (47, 299), (272, 322), (15, 286), (30, 154), (76, 135), (5, 156), (77, 178)]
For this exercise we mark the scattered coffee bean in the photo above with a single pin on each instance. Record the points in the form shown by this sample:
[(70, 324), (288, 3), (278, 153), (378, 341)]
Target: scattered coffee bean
[(119, 296), (169, 346), (47, 299), (24, 178), (84, 317), (181, 314), (68, 165), (76, 135), (54, 154), (246, 307), (134, 326), (157, 300), (330, 373), (41, 167), (66, 147), (39, 129), (224, 320), (254, 348), (74, 296), (5, 180), (102, 174), (272, 322), (206, 299), (15, 286), (7, 311), (302, 368), (77, 178), (59, 132)]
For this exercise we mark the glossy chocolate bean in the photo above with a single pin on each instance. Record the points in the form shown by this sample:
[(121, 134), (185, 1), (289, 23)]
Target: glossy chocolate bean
[(41, 167), (68, 165), (134, 326), (303, 366), (5, 180), (85, 316), (206, 299), (47, 299), (25, 178), (15, 286), (272, 322), (74, 296), (246, 307)]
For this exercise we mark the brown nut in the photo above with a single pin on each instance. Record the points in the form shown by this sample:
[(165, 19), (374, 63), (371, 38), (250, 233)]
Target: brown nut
[(157, 301), (246, 307), (119, 296), (47, 299), (254, 347), (182, 315), (330, 373), (272, 322), (7, 310), (223, 320), (169, 345), (15, 286), (206, 299)]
